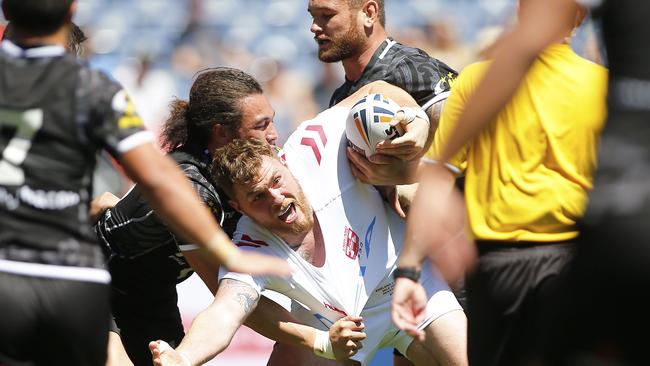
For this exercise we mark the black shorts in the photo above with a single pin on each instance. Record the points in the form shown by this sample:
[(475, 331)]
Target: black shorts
[(507, 295), (144, 306), (52, 322), (603, 309)]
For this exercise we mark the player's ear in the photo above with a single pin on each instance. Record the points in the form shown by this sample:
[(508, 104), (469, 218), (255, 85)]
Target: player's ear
[(221, 135), (371, 10)]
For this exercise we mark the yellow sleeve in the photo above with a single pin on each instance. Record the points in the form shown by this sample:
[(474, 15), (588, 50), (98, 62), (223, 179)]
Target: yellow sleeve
[(461, 90)]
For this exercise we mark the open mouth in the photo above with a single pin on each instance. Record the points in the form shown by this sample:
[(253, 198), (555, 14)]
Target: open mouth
[(288, 214), (322, 42)]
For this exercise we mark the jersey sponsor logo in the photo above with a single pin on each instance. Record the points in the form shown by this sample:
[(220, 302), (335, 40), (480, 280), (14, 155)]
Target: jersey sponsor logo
[(367, 239), (41, 199), (444, 84), (48, 200), (311, 141), (350, 243), (247, 241), (123, 105)]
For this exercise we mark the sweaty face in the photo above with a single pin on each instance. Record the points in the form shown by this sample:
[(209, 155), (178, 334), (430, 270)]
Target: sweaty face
[(276, 201), (337, 29), (257, 119)]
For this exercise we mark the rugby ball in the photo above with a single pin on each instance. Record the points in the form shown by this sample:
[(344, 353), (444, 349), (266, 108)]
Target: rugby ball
[(368, 123)]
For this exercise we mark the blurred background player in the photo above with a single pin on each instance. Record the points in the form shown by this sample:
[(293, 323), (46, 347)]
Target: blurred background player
[(55, 115)]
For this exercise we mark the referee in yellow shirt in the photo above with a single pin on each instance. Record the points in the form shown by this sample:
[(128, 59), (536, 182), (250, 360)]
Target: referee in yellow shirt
[(526, 182)]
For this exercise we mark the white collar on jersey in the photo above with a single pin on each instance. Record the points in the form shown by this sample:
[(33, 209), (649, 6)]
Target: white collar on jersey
[(390, 43), (43, 51)]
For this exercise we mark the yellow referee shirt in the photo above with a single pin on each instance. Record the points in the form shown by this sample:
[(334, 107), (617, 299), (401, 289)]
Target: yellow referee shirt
[(527, 175)]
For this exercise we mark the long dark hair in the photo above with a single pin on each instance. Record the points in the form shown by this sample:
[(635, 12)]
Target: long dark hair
[(215, 98)]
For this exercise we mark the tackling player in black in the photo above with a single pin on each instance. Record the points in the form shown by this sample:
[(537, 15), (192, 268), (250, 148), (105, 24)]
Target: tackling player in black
[(146, 260), (55, 114)]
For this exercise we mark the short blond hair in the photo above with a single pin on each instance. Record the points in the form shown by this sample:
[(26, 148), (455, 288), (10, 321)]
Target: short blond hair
[(239, 162)]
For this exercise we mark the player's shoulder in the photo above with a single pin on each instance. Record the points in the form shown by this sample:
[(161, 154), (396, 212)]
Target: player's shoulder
[(99, 90), (322, 125), (96, 81), (252, 236), (403, 55)]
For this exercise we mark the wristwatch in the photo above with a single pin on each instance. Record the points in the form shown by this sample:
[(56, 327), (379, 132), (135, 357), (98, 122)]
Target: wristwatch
[(411, 273)]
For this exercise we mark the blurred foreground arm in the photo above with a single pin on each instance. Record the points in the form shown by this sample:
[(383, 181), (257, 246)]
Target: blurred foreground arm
[(541, 22)]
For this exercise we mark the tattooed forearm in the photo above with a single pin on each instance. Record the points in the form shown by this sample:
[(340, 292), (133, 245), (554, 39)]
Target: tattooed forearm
[(243, 294)]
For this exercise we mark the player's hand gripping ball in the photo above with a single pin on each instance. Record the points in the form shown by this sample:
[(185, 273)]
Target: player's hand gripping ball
[(369, 123)]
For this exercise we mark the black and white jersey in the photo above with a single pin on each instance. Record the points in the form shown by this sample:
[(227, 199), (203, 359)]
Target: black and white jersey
[(132, 229), (625, 31), (425, 78), (55, 114)]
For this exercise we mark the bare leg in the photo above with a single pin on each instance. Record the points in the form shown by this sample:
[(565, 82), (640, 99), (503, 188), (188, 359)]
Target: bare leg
[(445, 342), (116, 355), (401, 361), (284, 355)]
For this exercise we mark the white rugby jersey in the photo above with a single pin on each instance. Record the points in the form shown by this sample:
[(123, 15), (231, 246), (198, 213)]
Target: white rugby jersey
[(362, 235)]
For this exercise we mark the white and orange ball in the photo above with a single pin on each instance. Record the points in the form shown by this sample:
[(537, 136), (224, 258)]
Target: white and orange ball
[(368, 123)]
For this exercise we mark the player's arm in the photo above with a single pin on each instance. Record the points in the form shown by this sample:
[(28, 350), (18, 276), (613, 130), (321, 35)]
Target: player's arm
[(174, 200), (342, 341), (275, 322), (213, 329), (541, 22), (434, 112), (101, 203)]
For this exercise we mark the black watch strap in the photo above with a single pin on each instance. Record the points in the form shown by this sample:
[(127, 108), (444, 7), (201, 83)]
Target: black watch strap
[(411, 273)]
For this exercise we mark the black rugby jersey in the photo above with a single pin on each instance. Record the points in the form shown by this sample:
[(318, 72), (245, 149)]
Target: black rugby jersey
[(55, 114), (132, 230), (425, 78), (626, 34)]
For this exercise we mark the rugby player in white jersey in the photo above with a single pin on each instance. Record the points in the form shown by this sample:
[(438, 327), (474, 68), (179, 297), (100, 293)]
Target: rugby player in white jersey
[(338, 234)]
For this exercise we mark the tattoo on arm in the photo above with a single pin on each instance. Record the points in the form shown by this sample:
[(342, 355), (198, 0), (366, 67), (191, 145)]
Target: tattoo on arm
[(243, 294), (434, 112)]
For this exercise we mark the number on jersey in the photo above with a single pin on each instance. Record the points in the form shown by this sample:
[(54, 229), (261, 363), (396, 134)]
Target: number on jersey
[(19, 128)]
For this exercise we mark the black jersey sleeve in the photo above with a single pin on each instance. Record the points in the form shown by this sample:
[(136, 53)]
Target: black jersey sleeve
[(132, 228), (108, 114), (428, 80), (207, 194)]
